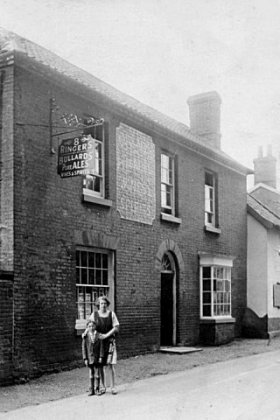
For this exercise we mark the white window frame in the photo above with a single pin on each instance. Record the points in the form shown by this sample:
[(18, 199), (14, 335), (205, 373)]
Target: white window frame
[(94, 172), (210, 200), (92, 290), (215, 263), (168, 184)]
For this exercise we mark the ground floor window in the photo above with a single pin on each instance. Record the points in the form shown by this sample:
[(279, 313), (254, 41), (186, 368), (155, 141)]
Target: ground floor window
[(215, 287), (94, 277)]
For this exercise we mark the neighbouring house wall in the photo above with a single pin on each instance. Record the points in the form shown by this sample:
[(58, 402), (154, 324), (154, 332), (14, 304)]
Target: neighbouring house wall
[(257, 268), (273, 270)]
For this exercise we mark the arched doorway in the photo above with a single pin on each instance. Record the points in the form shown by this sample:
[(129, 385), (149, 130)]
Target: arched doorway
[(168, 300)]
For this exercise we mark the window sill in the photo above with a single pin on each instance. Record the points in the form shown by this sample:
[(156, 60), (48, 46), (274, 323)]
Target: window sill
[(170, 218), (212, 229), (89, 197), (80, 326), (218, 320)]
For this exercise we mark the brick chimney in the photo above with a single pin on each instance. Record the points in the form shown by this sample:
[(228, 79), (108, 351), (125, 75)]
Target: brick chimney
[(265, 168), (205, 116)]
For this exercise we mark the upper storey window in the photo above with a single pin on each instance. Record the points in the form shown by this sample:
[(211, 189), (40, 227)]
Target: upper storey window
[(209, 199), (95, 180), (211, 202), (167, 184)]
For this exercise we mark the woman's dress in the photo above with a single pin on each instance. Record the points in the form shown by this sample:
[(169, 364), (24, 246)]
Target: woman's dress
[(107, 347)]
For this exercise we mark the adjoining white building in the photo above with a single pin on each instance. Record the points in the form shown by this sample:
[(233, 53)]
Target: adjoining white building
[(262, 318)]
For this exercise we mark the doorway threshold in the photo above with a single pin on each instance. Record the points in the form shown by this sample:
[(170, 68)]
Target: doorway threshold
[(178, 350)]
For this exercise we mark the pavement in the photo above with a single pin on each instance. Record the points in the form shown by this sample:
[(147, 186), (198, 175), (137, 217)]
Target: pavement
[(245, 388)]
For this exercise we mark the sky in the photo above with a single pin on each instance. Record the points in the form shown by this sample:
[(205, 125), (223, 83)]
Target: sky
[(161, 52)]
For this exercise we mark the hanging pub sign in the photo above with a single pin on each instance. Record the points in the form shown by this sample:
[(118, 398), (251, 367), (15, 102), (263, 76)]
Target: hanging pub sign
[(75, 156)]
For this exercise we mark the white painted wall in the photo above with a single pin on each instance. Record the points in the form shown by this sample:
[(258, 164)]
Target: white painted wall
[(257, 267), (273, 270)]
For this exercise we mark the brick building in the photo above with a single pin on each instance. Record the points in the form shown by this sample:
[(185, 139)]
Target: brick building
[(156, 219)]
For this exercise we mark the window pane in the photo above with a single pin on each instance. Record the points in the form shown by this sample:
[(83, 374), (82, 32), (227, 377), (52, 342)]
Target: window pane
[(88, 310), (91, 277), (168, 196), (209, 179), (165, 175), (98, 260), (91, 259), (84, 276), (206, 310), (98, 277), (163, 195), (207, 192), (167, 169), (80, 301), (105, 277), (84, 259), (220, 285), (206, 272), (94, 183), (207, 297), (207, 285), (209, 218), (105, 261), (98, 158)]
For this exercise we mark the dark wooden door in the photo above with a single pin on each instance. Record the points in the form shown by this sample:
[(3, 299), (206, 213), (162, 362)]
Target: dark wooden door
[(167, 303)]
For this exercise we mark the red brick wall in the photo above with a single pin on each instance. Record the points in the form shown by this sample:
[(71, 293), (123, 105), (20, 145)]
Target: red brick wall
[(49, 210)]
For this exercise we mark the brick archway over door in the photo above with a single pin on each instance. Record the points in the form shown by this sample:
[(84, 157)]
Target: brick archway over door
[(171, 246)]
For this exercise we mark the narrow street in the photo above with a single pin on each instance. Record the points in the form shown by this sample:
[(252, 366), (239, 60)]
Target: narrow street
[(241, 389)]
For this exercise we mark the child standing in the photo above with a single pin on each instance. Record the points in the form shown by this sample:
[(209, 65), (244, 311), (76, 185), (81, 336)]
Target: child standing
[(91, 354)]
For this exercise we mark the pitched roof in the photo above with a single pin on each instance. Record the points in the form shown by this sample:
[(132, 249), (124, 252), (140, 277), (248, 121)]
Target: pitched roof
[(268, 196), (262, 213), (11, 42)]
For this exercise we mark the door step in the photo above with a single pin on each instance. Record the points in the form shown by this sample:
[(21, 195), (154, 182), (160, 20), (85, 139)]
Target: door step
[(178, 350)]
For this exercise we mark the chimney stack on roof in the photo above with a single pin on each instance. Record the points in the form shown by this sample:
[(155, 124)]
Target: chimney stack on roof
[(265, 168), (205, 117)]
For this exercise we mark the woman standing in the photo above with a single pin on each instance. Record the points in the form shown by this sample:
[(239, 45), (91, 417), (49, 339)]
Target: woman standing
[(107, 325)]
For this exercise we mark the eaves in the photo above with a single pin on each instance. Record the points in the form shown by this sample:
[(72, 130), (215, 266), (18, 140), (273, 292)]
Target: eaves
[(189, 142), (266, 223)]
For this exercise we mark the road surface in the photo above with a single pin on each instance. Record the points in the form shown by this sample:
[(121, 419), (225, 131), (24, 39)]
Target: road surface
[(242, 389)]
